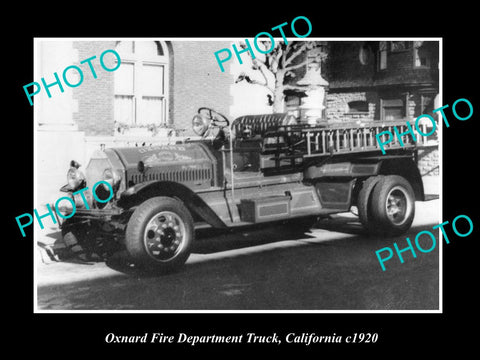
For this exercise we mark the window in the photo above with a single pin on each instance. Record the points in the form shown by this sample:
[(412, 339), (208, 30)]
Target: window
[(392, 109), (141, 84), (420, 55), (358, 106), (364, 54), (427, 103), (382, 55)]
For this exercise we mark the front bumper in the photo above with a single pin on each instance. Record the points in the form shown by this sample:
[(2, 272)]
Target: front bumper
[(87, 214), (82, 211)]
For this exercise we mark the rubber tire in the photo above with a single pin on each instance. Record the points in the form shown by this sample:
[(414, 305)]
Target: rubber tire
[(364, 201), (383, 225), (134, 234)]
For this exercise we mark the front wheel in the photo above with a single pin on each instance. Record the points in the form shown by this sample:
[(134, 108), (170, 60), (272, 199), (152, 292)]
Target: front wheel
[(160, 233), (392, 205)]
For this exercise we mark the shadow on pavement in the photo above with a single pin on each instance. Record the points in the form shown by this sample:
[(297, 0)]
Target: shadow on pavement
[(252, 240), (266, 269), (212, 241), (281, 266)]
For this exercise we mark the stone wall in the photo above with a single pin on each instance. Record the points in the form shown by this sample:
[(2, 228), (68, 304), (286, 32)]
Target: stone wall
[(337, 111), (337, 105), (337, 108), (428, 161)]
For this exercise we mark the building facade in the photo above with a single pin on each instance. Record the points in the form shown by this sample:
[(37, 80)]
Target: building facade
[(153, 94), (377, 81), (150, 98), (385, 81)]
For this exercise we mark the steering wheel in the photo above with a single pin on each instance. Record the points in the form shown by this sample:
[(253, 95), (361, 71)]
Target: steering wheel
[(217, 118)]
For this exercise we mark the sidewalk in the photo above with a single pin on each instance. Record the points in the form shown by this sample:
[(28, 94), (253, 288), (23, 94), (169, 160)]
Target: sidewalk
[(431, 185)]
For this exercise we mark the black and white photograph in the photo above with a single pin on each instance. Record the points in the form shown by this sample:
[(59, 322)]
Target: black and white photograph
[(258, 174)]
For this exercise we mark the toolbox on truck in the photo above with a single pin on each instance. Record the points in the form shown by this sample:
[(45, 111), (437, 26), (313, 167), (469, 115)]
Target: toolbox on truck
[(267, 208)]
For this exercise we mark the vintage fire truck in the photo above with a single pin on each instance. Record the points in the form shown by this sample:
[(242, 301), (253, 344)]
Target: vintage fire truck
[(259, 168)]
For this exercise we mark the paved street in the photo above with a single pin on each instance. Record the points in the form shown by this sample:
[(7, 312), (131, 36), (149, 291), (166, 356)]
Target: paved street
[(332, 267)]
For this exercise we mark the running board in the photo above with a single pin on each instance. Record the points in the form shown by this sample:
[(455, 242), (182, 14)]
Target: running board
[(429, 197)]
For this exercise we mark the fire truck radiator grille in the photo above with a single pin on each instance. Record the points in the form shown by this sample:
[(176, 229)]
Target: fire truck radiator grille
[(182, 176)]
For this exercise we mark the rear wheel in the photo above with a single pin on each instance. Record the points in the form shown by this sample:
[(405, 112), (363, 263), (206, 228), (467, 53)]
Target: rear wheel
[(392, 205), (160, 234), (364, 201)]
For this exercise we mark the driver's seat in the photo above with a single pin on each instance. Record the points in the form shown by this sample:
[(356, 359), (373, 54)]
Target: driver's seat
[(250, 133)]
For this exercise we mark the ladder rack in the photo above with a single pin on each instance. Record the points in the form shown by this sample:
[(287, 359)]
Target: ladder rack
[(293, 144), (306, 141)]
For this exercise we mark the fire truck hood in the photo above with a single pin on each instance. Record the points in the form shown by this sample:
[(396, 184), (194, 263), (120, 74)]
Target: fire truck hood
[(161, 155)]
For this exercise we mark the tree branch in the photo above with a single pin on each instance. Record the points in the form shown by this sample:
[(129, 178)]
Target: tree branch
[(245, 77), (284, 54), (295, 87), (293, 67), (295, 54), (257, 61), (255, 82), (262, 71), (273, 59), (274, 64), (260, 66)]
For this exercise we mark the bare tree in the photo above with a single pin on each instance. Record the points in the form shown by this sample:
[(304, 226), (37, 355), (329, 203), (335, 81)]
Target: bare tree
[(281, 64)]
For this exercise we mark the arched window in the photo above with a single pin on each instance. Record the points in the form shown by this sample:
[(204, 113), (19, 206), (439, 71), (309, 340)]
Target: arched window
[(141, 83), (382, 55)]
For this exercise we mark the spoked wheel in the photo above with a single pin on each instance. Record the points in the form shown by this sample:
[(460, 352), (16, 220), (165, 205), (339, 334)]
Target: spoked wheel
[(160, 234), (214, 116)]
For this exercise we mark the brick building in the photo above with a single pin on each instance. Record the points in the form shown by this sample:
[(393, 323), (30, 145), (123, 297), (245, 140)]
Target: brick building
[(159, 86), (385, 81), (380, 81)]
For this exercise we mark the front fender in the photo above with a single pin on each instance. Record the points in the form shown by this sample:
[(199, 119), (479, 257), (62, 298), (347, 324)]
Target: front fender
[(406, 168), (139, 193)]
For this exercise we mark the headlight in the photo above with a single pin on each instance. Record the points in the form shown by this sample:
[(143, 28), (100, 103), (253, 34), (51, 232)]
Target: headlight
[(112, 177), (75, 178), (200, 124)]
